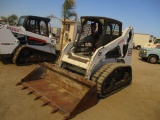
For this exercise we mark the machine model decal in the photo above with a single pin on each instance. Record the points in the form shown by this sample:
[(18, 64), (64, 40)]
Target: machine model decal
[(7, 43), (14, 29), (121, 41), (129, 52)]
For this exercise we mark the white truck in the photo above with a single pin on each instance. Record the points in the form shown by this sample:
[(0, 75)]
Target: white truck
[(140, 40)]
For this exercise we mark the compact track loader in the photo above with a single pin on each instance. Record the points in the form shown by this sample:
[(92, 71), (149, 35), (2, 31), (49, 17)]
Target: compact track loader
[(29, 41), (94, 66)]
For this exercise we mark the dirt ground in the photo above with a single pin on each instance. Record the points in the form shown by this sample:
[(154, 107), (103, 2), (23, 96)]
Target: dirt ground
[(139, 101)]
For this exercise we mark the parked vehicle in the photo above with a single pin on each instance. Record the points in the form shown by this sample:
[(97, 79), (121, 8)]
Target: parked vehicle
[(154, 44), (29, 41), (140, 40), (94, 66), (152, 55)]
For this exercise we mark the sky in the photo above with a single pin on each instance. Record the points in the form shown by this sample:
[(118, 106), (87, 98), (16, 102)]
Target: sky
[(143, 15)]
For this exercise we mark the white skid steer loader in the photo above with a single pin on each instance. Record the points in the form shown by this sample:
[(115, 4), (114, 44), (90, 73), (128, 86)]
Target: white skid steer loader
[(94, 66), (29, 42)]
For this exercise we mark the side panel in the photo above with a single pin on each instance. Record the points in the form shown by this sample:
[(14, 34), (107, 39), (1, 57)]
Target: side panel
[(153, 51), (8, 41), (46, 48)]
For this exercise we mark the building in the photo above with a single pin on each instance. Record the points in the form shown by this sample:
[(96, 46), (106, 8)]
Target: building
[(71, 29), (56, 31)]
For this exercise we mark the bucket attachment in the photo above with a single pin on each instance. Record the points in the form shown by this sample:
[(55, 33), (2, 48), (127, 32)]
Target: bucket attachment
[(65, 92)]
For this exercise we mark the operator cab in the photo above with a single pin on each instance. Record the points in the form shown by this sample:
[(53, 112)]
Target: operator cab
[(35, 24), (157, 41), (105, 31)]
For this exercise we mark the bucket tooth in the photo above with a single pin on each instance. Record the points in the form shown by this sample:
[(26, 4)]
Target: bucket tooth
[(19, 83), (38, 97), (66, 117), (65, 114), (46, 103), (55, 108), (25, 87), (31, 92)]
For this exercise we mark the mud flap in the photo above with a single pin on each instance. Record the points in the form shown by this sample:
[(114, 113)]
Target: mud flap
[(65, 92)]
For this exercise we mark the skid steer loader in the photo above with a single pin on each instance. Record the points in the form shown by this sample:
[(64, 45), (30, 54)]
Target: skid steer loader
[(29, 41), (93, 66)]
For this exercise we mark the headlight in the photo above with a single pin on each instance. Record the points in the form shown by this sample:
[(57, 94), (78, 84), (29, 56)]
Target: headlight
[(144, 51)]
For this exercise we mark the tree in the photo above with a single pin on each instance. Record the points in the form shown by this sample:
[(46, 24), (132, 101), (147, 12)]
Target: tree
[(4, 20), (68, 12), (11, 20)]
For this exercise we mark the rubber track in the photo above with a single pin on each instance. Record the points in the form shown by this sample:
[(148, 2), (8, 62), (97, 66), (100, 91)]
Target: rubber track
[(103, 73), (35, 56)]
